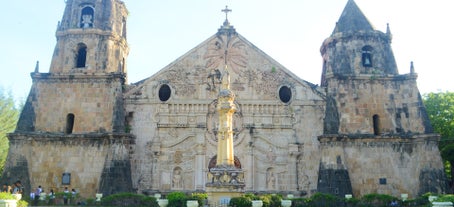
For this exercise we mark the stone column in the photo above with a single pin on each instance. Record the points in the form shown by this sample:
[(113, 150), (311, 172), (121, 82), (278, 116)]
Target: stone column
[(200, 167), (291, 166), (250, 172)]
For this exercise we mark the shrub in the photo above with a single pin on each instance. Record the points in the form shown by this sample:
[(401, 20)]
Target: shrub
[(325, 200), (445, 198), (377, 200), (22, 203), (177, 199), (7, 196), (240, 202), (200, 197), (129, 199)]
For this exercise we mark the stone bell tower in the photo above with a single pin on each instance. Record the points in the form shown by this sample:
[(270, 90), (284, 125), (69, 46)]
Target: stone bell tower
[(72, 125), (374, 117), (84, 85), (91, 38)]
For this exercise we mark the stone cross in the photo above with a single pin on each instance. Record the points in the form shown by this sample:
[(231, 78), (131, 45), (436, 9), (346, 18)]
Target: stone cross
[(226, 11)]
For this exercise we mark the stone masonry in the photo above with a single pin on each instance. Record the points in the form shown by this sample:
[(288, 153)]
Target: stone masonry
[(363, 130)]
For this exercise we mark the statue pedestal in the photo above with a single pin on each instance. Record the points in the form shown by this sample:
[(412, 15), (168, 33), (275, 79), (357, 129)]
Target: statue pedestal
[(224, 182)]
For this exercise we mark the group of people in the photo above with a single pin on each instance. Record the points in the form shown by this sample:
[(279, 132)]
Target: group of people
[(17, 188), (35, 196)]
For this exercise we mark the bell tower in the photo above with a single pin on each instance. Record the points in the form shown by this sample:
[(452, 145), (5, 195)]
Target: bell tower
[(91, 38), (84, 86), (371, 109), (73, 124), (366, 93)]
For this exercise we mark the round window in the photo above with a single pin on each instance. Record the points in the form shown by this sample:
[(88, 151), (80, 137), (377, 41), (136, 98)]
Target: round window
[(285, 94), (164, 92)]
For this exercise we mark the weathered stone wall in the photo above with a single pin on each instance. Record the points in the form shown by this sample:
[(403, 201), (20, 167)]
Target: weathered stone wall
[(385, 165), (96, 103), (105, 39), (271, 138), (395, 100), (96, 162), (342, 53)]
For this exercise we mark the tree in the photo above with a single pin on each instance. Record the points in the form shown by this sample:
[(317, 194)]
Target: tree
[(440, 108), (9, 114)]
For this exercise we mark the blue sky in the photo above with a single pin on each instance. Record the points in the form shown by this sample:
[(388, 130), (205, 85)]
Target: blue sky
[(290, 31)]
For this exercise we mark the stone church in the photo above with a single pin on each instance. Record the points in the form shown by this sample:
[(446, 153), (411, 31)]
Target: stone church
[(363, 129)]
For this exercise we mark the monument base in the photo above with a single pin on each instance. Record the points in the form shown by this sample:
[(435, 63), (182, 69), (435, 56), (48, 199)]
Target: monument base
[(224, 182), (220, 195)]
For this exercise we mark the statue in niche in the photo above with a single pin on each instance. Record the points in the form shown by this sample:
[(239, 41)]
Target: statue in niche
[(270, 180), (87, 21), (177, 181)]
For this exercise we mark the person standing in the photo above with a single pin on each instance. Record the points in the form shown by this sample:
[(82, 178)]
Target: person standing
[(65, 196), (38, 192), (73, 196), (51, 197)]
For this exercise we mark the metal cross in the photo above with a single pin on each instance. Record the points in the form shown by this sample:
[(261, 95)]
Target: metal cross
[(226, 11)]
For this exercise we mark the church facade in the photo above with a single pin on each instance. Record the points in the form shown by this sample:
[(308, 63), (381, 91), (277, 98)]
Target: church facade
[(363, 130)]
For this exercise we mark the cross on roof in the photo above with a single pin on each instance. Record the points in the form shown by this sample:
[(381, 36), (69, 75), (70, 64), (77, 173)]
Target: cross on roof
[(226, 11)]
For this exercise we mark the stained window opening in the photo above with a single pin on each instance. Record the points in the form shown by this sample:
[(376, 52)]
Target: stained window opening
[(69, 123)]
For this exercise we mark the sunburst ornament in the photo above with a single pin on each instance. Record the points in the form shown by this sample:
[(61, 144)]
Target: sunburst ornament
[(227, 49)]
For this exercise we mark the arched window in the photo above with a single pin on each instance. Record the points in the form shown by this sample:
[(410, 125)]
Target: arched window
[(69, 123), (367, 56), (86, 17), (81, 56), (377, 126)]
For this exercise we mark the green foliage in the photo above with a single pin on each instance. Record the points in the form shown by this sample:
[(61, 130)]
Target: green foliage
[(377, 200), (177, 199), (269, 200), (440, 109), (324, 200), (129, 199), (7, 196), (445, 198), (9, 114), (241, 201), (200, 197), (22, 203)]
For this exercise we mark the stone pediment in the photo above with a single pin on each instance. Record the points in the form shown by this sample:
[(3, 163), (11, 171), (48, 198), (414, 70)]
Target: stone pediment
[(197, 74)]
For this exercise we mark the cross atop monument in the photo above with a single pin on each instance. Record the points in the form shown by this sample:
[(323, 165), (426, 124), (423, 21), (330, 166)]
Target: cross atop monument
[(226, 11)]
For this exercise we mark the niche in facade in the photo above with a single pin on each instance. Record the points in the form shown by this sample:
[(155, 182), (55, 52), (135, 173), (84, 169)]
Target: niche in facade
[(367, 56), (86, 17)]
